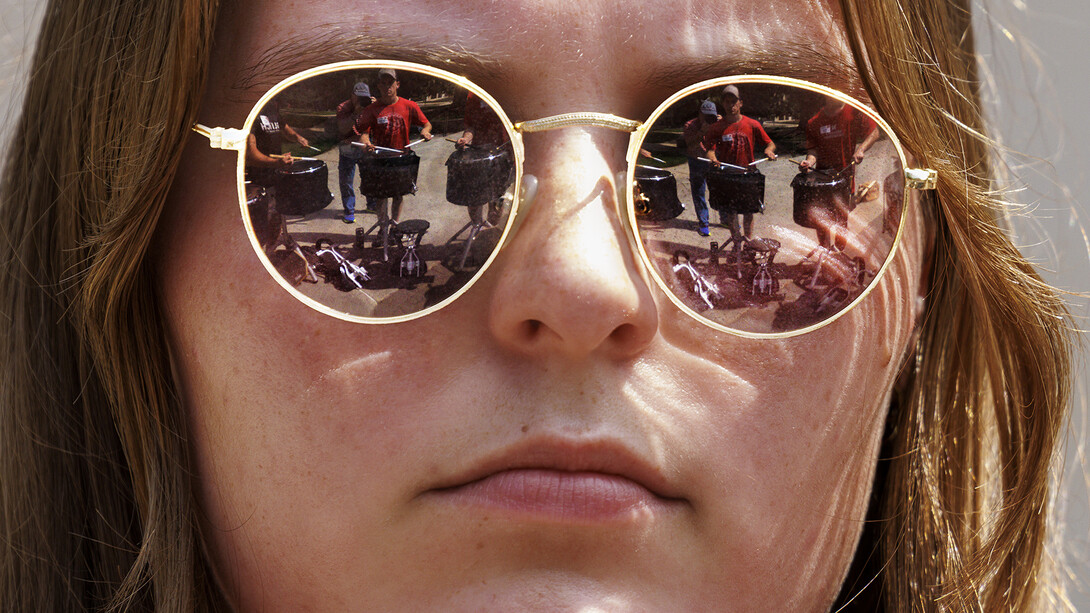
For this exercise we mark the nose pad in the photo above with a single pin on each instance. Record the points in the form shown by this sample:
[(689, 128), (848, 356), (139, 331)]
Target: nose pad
[(527, 194), (569, 282)]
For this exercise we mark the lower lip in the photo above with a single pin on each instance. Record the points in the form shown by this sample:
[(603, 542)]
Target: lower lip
[(556, 495)]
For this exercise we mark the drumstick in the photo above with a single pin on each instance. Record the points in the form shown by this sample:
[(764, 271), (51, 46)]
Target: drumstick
[(842, 170), (313, 147), (723, 164), (377, 148), (414, 143), (754, 163), (811, 168), (663, 162), (469, 145), (302, 159), (648, 167)]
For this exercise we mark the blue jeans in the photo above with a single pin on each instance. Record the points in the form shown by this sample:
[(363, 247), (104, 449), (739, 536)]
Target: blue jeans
[(346, 173), (698, 172)]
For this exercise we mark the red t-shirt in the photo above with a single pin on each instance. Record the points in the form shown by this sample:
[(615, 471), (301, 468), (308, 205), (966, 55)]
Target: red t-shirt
[(833, 137), (389, 124), (484, 123), (734, 143)]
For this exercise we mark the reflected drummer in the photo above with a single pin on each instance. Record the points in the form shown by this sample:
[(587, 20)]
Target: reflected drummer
[(264, 145), (351, 157), (483, 130), (837, 139), (693, 134), (731, 142), (386, 123)]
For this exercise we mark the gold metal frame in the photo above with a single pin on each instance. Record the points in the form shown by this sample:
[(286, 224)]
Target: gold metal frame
[(228, 138), (235, 139)]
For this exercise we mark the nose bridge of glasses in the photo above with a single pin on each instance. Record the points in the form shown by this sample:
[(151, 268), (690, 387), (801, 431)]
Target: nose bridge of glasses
[(584, 119)]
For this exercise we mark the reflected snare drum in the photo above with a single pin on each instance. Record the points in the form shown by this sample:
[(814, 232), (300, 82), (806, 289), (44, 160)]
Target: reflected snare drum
[(738, 193), (303, 187), (479, 176), (820, 196), (656, 198), (389, 175)]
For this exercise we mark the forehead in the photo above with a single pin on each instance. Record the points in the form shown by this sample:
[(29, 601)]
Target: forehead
[(521, 50)]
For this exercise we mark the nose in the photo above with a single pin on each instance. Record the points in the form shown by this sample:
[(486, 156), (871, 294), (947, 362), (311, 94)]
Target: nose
[(569, 282)]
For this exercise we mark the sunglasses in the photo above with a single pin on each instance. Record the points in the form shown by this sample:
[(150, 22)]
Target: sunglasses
[(771, 221)]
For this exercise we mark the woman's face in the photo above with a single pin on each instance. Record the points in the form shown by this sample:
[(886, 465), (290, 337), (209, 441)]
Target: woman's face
[(561, 437)]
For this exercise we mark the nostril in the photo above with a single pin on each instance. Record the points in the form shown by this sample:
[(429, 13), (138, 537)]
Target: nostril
[(531, 328), (624, 334)]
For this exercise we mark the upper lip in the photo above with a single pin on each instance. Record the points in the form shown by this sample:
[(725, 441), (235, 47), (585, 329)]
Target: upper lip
[(603, 456)]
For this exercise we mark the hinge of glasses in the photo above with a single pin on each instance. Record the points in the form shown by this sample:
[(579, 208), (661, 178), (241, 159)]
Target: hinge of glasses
[(921, 178), (223, 138)]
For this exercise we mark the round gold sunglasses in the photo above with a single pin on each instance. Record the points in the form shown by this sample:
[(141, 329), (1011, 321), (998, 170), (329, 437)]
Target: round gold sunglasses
[(379, 191)]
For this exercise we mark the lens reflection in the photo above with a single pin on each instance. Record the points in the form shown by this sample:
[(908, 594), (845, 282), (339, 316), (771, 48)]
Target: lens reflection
[(760, 206), (378, 192)]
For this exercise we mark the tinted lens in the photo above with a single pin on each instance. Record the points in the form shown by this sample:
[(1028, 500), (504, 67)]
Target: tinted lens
[(380, 233), (788, 244)]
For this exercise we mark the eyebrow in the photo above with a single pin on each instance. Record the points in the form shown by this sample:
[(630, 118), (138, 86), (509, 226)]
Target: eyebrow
[(333, 43), (818, 61)]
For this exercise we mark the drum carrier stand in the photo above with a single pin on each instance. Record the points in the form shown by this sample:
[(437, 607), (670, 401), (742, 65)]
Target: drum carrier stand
[(474, 227), (383, 224), (413, 230)]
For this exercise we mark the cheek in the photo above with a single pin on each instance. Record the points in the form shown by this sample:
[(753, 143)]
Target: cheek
[(790, 436), (791, 432), (298, 421)]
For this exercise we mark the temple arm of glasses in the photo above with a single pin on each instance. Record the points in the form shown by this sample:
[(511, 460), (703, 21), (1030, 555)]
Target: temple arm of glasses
[(223, 138)]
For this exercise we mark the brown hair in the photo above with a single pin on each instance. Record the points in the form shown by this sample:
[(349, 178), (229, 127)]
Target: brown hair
[(98, 510), (96, 501), (963, 513)]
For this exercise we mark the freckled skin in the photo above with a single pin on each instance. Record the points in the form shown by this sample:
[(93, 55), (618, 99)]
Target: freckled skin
[(315, 438)]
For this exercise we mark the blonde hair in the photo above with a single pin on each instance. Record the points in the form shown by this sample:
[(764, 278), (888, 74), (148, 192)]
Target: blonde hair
[(964, 508), (98, 508)]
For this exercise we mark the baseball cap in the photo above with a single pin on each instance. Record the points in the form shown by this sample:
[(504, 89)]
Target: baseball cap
[(731, 90), (362, 90), (388, 72), (708, 108)]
